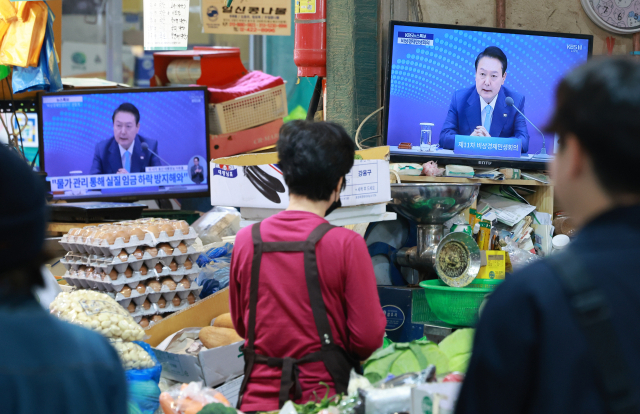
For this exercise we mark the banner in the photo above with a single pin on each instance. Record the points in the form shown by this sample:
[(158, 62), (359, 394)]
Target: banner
[(98, 182), (488, 146), (259, 17)]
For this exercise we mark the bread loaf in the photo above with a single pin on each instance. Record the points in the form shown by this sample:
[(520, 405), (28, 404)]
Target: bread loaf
[(224, 321), (214, 337)]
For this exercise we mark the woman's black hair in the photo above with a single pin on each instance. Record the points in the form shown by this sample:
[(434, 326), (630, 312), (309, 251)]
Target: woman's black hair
[(599, 103), (313, 157)]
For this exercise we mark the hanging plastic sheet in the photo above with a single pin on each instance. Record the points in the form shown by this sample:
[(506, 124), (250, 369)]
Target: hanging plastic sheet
[(46, 75), (23, 40)]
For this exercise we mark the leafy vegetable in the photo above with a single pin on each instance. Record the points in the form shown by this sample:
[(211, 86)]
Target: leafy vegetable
[(458, 343), (314, 407), (452, 354), (217, 408)]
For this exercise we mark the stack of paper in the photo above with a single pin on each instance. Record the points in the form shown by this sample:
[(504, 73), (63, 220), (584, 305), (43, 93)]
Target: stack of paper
[(508, 211)]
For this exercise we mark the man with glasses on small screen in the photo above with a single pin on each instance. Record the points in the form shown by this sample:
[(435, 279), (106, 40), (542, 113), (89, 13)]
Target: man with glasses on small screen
[(480, 110), (123, 152)]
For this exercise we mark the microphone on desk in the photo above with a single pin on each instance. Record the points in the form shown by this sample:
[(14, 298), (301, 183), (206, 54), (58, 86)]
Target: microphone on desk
[(543, 151), (145, 146)]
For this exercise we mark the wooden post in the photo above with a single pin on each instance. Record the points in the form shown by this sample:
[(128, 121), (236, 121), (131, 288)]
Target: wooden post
[(501, 19), (636, 42)]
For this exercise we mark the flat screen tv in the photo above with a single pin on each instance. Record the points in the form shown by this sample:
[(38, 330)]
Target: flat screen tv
[(125, 144), (481, 95)]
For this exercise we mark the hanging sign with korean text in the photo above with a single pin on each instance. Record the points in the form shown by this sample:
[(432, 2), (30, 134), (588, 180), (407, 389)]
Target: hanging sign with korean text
[(258, 17)]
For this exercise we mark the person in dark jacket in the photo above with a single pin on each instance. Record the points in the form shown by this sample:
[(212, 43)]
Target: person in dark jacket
[(530, 354), (46, 365), (123, 152), (197, 173)]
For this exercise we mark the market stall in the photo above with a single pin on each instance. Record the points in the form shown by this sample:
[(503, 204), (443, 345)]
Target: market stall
[(450, 191)]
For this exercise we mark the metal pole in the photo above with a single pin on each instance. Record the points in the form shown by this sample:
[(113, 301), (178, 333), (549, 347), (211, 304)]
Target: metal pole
[(114, 40), (252, 47), (264, 53)]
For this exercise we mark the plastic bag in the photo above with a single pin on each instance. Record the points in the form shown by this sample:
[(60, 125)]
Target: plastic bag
[(7, 11), (519, 258), (144, 392), (46, 75), (214, 269), (23, 41), (217, 223), (98, 312), (191, 398)]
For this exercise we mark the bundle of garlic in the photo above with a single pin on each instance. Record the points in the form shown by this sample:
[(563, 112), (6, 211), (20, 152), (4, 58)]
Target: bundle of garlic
[(132, 355), (101, 313)]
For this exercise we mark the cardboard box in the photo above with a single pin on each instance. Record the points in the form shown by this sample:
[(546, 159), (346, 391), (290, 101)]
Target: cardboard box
[(225, 145), (213, 366), (397, 303), (492, 264), (367, 183)]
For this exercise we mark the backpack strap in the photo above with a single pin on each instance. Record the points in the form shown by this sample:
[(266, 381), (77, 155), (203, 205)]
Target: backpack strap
[(592, 311)]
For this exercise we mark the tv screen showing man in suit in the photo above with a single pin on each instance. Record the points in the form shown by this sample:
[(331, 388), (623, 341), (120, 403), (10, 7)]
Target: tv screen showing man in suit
[(125, 143), (467, 92), (123, 152), (480, 110)]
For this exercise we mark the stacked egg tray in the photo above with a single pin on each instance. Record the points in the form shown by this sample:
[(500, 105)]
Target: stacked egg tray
[(149, 276)]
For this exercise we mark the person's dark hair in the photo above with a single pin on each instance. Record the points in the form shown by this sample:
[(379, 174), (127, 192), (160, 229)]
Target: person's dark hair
[(127, 107), (196, 159), (496, 53), (23, 219), (313, 157), (598, 103)]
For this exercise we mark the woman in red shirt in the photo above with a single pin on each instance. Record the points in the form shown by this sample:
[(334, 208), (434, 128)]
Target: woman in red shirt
[(303, 293)]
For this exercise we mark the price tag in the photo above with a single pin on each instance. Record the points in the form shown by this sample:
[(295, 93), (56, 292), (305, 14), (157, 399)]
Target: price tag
[(166, 24)]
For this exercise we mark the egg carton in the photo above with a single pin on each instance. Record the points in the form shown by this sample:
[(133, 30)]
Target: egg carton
[(181, 291), (179, 273), (122, 280), (152, 295), (179, 257), (106, 267), (169, 307), (141, 311), (151, 323), (138, 301), (75, 260), (149, 240)]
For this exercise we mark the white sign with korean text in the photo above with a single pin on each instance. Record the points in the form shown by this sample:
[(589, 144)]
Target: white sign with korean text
[(260, 17), (166, 24)]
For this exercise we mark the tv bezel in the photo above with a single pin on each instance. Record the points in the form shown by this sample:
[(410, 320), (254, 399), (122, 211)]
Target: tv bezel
[(132, 196), (478, 162)]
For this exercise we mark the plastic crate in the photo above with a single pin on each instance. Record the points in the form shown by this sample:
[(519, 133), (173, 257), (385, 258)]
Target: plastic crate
[(248, 111), (457, 306)]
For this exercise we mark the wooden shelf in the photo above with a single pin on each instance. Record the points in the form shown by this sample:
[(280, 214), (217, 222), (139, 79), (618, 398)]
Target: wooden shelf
[(423, 179), (542, 198)]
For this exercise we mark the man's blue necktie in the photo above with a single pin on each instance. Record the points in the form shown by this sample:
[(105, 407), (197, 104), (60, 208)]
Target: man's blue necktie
[(127, 161), (487, 118)]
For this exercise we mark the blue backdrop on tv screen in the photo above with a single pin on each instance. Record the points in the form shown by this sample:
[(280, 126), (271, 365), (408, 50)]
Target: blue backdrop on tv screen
[(424, 77), (176, 119)]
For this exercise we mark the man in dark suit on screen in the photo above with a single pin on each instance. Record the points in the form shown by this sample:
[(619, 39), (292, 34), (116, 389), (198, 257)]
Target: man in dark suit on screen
[(481, 110), (123, 152), (197, 173)]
